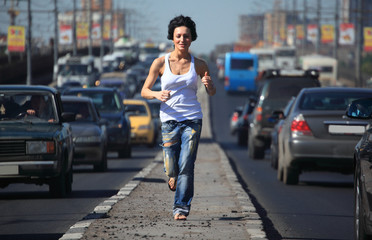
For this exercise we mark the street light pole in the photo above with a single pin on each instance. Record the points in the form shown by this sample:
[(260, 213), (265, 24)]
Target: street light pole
[(29, 43)]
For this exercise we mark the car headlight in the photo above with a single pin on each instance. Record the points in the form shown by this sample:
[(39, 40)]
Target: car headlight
[(87, 139), (37, 147)]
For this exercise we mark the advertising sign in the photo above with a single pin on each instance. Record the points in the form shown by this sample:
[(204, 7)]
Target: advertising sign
[(367, 39), (82, 30), (312, 33), (65, 34), (16, 39), (347, 34), (327, 33), (96, 31)]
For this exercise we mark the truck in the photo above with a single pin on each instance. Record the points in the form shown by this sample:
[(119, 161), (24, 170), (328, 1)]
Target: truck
[(127, 48), (80, 69), (266, 58), (327, 67), (285, 57), (241, 69)]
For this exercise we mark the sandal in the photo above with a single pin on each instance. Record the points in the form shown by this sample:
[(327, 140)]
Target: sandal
[(180, 216), (172, 184)]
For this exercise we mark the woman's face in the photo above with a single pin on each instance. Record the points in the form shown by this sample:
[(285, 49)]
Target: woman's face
[(182, 38)]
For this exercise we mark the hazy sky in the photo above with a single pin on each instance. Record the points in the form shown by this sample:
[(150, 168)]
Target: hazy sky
[(217, 21)]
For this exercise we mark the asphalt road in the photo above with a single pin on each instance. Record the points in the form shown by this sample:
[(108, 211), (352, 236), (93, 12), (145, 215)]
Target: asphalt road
[(320, 207), (28, 212)]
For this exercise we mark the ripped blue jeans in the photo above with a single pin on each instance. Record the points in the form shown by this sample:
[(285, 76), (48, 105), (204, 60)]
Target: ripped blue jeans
[(179, 159)]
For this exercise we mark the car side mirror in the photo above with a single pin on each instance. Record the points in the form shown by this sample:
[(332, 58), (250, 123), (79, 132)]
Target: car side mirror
[(361, 109), (276, 116)]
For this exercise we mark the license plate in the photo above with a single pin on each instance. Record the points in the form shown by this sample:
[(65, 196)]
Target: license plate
[(9, 170), (346, 129)]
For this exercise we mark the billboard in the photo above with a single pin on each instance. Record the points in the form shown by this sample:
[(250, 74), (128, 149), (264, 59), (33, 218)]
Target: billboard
[(16, 39)]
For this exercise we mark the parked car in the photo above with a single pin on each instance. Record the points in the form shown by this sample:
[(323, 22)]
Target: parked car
[(276, 90), (278, 117), (239, 121), (362, 109), (316, 135), (88, 131), (110, 107), (142, 126), (36, 143)]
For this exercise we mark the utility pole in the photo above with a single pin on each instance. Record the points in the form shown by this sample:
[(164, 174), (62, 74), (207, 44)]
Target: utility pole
[(294, 23), (90, 28), (111, 32), (101, 52), (335, 39), (74, 39), (304, 26), (358, 45), (13, 14), (56, 37), (317, 44), (29, 43)]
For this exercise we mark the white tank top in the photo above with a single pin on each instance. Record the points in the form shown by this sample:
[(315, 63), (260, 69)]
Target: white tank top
[(183, 103)]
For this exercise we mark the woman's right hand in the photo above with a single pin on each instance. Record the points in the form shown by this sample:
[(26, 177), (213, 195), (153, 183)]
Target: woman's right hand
[(164, 95)]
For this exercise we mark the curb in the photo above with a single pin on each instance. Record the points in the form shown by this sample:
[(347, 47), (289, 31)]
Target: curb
[(254, 223), (77, 230)]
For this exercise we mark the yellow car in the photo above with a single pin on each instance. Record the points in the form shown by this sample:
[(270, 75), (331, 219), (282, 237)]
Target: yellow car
[(142, 125)]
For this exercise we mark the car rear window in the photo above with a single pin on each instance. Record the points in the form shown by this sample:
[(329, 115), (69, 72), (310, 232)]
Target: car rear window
[(329, 100), (289, 87)]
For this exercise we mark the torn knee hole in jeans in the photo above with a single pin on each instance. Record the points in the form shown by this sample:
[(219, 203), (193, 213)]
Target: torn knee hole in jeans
[(168, 144)]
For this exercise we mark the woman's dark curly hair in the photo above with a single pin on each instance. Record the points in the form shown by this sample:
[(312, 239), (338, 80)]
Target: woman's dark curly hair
[(180, 21)]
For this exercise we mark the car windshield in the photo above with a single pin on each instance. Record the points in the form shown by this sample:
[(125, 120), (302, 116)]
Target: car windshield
[(329, 100), (104, 101), (34, 107), (137, 110), (82, 110)]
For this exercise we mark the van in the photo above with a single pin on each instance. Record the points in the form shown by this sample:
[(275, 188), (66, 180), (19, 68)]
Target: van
[(266, 58), (327, 67), (241, 69)]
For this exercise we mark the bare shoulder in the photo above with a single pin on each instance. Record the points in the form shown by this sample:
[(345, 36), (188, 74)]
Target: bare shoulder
[(159, 61), (158, 65), (201, 66)]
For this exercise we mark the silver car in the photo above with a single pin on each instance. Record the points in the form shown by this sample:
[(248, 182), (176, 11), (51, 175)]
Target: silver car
[(316, 135), (88, 131)]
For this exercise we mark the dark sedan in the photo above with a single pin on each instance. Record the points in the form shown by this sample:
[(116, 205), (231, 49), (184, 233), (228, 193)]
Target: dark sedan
[(89, 132), (316, 135), (110, 107), (36, 141), (362, 109)]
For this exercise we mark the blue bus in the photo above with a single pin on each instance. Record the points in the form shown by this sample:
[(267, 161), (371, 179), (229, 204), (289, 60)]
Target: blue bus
[(241, 69)]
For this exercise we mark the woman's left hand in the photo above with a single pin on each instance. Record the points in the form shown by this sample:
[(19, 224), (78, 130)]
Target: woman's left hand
[(207, 81)]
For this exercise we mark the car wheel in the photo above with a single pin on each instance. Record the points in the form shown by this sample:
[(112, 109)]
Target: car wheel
[(291, 175), (69, 180), (102, 166), (57, 186), (359, 229), (255, 152), (127, 152), (274, 157), (242, 139)]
